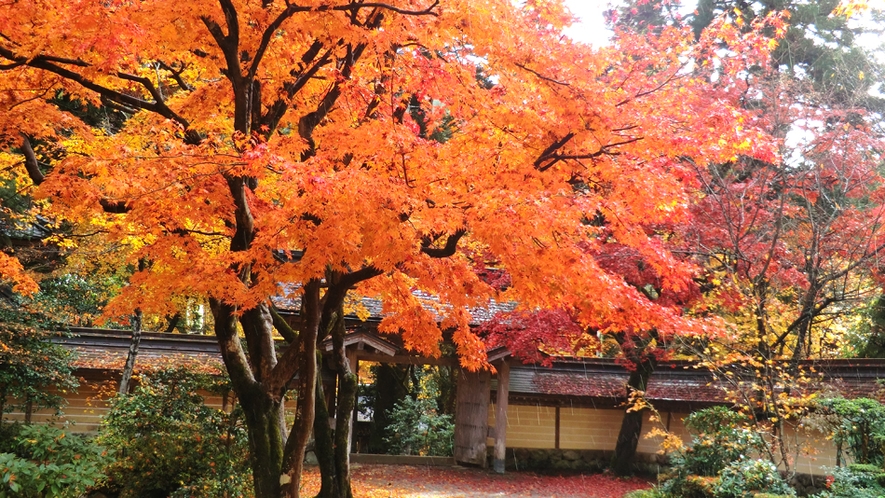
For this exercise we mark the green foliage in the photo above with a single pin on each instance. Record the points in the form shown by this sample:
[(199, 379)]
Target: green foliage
[(167, 442), (75, 300), (858, 426), (744, 478), (645, 493), (722, 437), (715, 465), (50, 462), (32, 368), (849, 483), (418, 429), (866, 339)]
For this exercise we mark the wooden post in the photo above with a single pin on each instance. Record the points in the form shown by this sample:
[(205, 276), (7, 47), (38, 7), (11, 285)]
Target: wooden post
[(472, 417), (501, 416)]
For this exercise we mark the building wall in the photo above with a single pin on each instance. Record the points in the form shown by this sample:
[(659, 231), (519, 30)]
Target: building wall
[(86, 407), (534, 427)]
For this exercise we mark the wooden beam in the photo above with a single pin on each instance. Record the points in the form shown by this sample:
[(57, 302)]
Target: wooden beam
[(406, 359), (557, 427), (503, 395)]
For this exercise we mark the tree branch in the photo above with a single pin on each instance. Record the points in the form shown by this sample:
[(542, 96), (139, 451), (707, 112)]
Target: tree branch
[(539, 75), (373, 5), (282, 326), (450, 248), (46, 63), (31, 165), (549, 151), (176, 75)]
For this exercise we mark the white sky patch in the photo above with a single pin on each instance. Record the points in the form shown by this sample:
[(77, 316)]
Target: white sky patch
[(591, 28)]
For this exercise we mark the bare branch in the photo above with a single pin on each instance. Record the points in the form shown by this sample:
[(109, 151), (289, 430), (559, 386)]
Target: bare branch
[(373, 5), (176, 75), (605, 149), (547, 153), (45, 62), (539, 75), (31, 165), (450, 248)]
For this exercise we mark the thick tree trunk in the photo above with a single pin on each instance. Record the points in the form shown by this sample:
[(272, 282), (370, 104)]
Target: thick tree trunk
[(305, 407), (631, 425), (324, 443), (335, 460), (346, 401), (262, 417), (261, 411)]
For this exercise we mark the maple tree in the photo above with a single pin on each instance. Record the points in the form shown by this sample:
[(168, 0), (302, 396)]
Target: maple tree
[(789, 246), (269, 148)]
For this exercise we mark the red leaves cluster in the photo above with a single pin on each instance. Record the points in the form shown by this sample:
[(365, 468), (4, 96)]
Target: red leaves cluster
[(398, 480)]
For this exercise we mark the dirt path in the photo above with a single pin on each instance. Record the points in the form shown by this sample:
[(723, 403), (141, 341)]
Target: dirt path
[(450, 482)]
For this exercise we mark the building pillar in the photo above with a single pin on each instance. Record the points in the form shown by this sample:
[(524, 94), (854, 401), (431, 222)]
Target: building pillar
[(503, 396)]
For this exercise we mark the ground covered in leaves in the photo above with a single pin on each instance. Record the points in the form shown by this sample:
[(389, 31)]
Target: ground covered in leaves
[(451, 482)]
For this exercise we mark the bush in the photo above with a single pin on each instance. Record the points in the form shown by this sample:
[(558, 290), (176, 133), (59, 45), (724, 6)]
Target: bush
[(715, 465), (849, 483), (417, 429), (722, 437), (49, 461), (645, 493), (167, 442), (856, 425), (745, 478)]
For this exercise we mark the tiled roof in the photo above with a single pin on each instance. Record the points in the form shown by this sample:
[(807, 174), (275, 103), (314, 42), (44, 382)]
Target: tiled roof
[(680, 382), (25, 231), (575, 379), (105, 349), (287, 301)]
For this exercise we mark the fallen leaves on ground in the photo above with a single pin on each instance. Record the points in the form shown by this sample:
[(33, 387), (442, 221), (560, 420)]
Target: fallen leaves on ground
[(456, 482)]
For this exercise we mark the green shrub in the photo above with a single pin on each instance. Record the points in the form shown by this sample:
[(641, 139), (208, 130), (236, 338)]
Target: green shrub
[(857, 426), (417, 429), (744, 478), (722, 437), (645, 493), (50, 462), (848, 483), (864, 468), (167, 442), (720, 441)]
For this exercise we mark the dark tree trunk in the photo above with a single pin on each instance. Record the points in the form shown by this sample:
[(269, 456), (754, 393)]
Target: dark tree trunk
[(335, 459), (261, 411), (134, 344), (346, 401), (305, 407), (325, 451), (631, 425), (390, 388)]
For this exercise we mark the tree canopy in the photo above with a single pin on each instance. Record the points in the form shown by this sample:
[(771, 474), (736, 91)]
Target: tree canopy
[(313, 147)]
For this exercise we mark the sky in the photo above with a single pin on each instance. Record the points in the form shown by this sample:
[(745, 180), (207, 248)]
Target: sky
[(592, 27)]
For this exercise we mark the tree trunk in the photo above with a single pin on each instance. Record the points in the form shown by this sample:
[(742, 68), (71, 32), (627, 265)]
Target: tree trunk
[(129, 367), (262, 416), (631, 425), (261, 411), (305, 407), (324, 444), (335, 459), (346, 401)]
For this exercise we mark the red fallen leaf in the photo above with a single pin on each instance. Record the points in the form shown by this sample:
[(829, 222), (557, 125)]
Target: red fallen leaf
[(412, 481)]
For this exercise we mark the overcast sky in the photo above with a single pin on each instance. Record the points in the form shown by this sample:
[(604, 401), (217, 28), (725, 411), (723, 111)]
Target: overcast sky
[(592, 27)]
